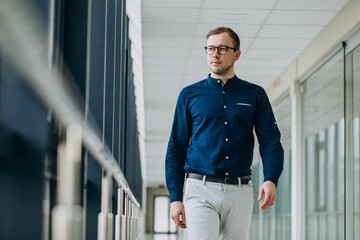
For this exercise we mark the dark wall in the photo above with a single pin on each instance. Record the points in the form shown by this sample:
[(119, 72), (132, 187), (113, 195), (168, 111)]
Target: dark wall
[(103, 82), (23, 128), (23, 143)]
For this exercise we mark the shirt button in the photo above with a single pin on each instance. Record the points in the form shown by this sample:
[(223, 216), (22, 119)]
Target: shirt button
[(218, 81), (224, 106), (227, 174), (227, 157), (226, 139), (225, 123), (223, 92)]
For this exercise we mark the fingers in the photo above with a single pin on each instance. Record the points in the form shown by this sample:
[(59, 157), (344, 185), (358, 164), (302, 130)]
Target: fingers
[(183, 216), (266, 203), (177, 213), (261, 193), (176, 220), (181, 219), (269, 189)]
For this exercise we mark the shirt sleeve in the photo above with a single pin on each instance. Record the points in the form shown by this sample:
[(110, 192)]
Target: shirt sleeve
[(177, 149), (268, 135)]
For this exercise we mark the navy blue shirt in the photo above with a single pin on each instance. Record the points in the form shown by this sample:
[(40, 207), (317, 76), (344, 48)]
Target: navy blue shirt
[(212, 133)]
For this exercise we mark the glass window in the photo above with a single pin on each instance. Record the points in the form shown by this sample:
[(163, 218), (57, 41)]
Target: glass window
[(162, 219), (323, 114), (356, 138), (275, 222)]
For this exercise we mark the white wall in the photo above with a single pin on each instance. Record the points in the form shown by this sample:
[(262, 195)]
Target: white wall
[(345, 24), (133, 11), (341, 28)]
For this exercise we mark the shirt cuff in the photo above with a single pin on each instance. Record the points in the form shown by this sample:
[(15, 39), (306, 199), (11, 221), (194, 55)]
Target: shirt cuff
[(273, 178), (176, 196)]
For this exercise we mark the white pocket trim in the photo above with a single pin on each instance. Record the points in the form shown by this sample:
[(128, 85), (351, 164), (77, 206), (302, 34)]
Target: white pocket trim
[(244, 104)]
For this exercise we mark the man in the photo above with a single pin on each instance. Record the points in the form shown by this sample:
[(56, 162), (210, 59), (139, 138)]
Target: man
[(212, 142)]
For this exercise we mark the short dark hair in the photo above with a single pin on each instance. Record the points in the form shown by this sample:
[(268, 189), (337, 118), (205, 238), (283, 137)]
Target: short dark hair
[(228, 30)]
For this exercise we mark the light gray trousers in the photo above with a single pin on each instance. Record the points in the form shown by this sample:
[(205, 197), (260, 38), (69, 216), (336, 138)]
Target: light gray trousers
[(216, 211)]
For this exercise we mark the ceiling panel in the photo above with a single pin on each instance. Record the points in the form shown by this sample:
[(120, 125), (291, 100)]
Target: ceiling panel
[(314, 18), (162, 91), (240, 4), (273, 72), (170, 15), (166, 42), (169, 51), (172, 3), (160, 101), (199, 71), (166, 29), (311, 5), (197, 62), (198, 51), (162, 70), (162, 61), (159, 131), (255, 63), (290, 31), (271, 54), (152, 150), (161, 78), (217, 16), (284, 43), (243, 30)]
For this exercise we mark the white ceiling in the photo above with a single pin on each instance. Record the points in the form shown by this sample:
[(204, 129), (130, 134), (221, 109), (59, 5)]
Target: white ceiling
[(272, 34)]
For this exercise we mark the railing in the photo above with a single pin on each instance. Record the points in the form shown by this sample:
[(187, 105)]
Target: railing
[(25, 42), (271, 226), (325, 225)]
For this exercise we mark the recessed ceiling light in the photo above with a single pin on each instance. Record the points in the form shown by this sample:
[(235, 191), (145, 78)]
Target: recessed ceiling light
[(234, 16)]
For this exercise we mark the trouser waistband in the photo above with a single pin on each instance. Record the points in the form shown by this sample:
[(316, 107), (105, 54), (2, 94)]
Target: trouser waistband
[(224, 180)]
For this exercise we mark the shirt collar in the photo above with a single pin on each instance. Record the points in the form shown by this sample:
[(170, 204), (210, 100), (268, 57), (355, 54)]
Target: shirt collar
[(217, 82)]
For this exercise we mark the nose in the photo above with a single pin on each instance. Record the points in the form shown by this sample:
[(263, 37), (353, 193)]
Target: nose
[(216, 52)]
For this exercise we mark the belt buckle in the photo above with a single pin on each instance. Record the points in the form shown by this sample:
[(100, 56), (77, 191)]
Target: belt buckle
[(228, 180)]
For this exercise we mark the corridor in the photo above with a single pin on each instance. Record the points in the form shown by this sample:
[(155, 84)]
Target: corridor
[(88, 91)]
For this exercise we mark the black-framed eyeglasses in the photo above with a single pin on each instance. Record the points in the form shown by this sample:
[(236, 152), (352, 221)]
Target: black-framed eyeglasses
[(222, 50)]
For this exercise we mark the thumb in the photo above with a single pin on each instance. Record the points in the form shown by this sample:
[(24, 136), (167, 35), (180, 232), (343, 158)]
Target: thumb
[(261, 193)]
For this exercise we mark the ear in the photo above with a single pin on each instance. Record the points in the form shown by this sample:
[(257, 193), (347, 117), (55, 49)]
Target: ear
[(237, 54)]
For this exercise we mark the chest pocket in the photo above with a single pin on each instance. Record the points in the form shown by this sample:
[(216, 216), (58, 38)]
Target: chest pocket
[(243, 111)]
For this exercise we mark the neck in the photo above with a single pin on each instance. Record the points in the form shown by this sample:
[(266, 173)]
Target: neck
[(223, 77)]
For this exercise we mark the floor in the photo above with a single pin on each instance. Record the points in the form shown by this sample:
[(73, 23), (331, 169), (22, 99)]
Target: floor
[(179, 236)]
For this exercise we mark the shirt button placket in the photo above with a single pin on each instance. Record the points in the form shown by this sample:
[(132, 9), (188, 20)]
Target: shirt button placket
[(226, 124)]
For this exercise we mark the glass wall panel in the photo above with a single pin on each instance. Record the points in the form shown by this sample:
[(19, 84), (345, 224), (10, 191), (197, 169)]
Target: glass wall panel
[(161, 214), (323, 114), (162, 220), (356, 138), (274, 223), (257, 178)]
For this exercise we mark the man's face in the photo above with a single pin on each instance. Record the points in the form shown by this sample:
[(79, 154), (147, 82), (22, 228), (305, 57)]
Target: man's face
[(222, 64)]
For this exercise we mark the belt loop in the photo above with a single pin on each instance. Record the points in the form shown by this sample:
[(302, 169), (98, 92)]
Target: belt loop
[(239, 179), (204, 179)]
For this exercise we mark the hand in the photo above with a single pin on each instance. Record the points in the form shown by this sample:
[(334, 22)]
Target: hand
[(176, 210), (269, 188)]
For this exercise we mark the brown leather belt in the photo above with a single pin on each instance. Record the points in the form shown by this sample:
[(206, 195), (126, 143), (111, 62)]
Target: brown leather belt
[(224, 180)]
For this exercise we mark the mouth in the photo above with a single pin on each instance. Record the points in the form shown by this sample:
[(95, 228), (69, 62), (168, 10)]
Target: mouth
[(215, 62)]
